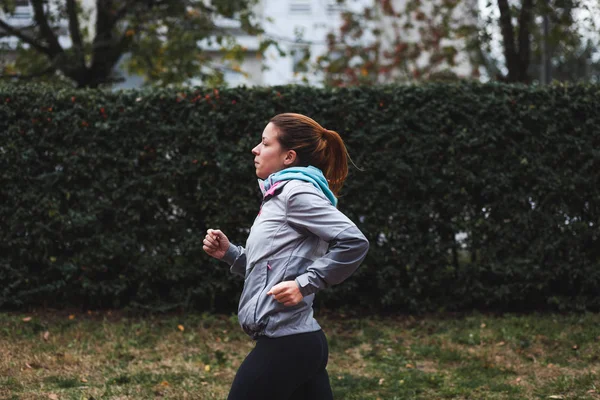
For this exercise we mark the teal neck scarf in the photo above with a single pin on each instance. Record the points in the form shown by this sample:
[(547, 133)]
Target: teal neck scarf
[(307, 174)]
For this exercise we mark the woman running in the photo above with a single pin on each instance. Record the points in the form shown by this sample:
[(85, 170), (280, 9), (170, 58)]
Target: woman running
[(299, 244)]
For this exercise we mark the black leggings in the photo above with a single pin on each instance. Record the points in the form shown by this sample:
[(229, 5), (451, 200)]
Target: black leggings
[(285, 368)]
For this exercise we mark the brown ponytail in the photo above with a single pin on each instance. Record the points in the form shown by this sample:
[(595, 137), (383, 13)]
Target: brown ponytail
[(336, 160), (314, 145)]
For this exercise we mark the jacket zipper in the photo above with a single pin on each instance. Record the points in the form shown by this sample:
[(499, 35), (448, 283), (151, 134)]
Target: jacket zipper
[(263, 289)]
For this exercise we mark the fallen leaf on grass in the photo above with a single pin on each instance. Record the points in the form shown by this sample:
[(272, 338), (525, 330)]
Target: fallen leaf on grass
[(33, 365), (71, 316), (46, 335), (181, 328), (556, 396), (500, 344), (53, 396), (381, 381), (409, 366), (164, 383), (84, 380), (207, 368), (575, 347), (26, 319)]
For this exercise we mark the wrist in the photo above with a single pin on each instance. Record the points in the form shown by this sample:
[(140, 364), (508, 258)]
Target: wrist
[(231, 254)]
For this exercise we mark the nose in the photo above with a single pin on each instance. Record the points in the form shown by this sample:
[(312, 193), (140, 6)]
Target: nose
[(255, 150)]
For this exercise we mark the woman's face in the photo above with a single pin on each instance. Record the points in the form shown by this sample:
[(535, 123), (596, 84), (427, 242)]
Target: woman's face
[(269, 157)]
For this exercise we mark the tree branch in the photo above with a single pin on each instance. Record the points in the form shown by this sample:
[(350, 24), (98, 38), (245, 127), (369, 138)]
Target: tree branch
[(75, 31), (121, 12), (508, 36), (42, 21), (104, 35), (108, 52), (29, 40), (119, 48)]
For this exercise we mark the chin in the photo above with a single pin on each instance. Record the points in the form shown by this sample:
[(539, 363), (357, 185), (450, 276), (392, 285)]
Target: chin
[(258, 174)]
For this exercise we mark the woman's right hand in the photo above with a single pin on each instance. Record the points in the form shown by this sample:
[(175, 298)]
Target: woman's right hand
[(215, 243)]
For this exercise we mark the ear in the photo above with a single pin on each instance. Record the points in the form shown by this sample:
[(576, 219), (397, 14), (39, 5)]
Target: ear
[(290, 158)]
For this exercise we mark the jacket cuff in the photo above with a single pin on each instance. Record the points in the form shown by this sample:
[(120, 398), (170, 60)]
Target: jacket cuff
[(306, 288), (232, 253)]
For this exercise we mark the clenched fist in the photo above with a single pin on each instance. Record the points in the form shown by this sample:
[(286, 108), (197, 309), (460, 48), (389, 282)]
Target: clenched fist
[(215, 243), (287, 293)]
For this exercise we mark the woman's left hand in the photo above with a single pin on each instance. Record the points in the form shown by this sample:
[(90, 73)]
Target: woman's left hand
[(287, 293)]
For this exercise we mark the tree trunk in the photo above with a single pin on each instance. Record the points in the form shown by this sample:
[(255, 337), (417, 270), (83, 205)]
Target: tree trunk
[(516, 52), (525, 21)]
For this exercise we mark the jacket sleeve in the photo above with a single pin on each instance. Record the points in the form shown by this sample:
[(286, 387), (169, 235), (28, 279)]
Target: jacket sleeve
[(235, 256), (307, 210)]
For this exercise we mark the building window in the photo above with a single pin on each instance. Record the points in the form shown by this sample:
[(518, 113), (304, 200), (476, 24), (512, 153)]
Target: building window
[(22, 13), (22, 10), (334, 7), (300, 7)]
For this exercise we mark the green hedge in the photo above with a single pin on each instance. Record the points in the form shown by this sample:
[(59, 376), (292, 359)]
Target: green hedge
[(105, 197)]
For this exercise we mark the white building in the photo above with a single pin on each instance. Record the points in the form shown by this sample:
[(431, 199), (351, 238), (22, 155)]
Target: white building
[(295, 24), (304, 24)]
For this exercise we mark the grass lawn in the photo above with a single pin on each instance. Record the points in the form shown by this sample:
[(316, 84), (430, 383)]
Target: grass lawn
[(105, 355)]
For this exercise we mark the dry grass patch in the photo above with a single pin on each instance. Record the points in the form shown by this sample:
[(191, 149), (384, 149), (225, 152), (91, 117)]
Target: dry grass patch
[(196, 356)]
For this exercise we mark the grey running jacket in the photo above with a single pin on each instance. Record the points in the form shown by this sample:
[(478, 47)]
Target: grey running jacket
[(298, 235)]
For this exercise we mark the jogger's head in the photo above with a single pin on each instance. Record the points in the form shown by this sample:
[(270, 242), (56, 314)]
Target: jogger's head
[(308, 143)]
